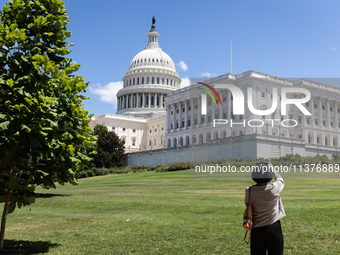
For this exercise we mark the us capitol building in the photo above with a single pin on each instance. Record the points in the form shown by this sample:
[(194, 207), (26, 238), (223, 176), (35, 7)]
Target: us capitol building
[(163, 123)]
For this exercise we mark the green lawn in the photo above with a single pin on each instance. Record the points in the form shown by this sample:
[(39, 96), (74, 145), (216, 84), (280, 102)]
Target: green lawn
[(169, 213)]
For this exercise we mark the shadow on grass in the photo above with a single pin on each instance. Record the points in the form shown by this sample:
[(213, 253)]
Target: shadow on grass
[(26, 247), (48, 195)]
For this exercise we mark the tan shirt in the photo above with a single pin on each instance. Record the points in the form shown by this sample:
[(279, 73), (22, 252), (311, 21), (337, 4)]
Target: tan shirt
[(266, 202)]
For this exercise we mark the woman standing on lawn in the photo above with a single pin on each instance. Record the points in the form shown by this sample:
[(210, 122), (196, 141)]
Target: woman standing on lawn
[(267, 208)]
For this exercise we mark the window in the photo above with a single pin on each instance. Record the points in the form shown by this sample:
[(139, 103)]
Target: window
[(113, 128), (134, 130), (183, 110), (331, 109), (153, 80), (224, 99), (196, 106), (189, 108), (315, 106), (271, 96), (331, 124), (150, 131), (172, 113), (307, 104), (209, 102), (163, 81), (241, 117), (316, 121), (202, 120), (182, 123), (299, 119), (177, 111), (123, 139), (162, 128), (224, 115), (124, 129), (147, 80), (307, 120), (291, 116), (133, 142), (197, 122), (338, 110), (133, 81), (155, 142), (150, 143), (157, 80), (263, 94), (323, 107), (137, 80), (188, 123), (155, 129), (142, 80), (167, 81), (209, 119), (324, 123)]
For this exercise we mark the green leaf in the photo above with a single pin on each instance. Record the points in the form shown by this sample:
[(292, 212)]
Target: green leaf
[(4, 125)]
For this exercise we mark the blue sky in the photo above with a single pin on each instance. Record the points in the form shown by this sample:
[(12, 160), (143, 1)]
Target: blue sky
[(281, 38)]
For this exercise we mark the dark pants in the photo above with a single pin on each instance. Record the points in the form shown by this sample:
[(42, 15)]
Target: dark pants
[(267, 238)]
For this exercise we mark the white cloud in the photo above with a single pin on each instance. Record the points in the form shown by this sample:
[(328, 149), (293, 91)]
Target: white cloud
[(108, 92), (182, 65), (332, 48), (185, 82), (206, 74)]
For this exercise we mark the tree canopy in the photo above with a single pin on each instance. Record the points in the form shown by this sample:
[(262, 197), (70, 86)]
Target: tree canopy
[(43, 129), (109, 148)]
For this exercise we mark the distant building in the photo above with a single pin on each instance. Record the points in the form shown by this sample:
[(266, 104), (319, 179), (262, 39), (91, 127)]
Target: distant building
[(162, 123)]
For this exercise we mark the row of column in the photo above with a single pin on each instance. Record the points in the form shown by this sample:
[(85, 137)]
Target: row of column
[(200, 117), (141, 100), (256, 96)]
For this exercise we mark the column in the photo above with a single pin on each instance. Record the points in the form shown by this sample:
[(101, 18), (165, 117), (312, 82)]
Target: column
[(143, 103), (328, 112), (221, 106), (161, 101), (336, 116), (229, 104), (213, 110), (168, 119), (149, 100), (118, 103), (192, 112), (199, 110), (186, 113), (180, 114), (320, 113), (174, 115), (137, 106), (312, 111)]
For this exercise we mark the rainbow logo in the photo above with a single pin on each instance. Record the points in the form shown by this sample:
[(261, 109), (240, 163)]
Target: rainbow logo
[(208, 92)]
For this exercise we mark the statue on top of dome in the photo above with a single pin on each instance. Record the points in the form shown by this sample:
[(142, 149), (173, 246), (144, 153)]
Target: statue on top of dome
[(153, 20)]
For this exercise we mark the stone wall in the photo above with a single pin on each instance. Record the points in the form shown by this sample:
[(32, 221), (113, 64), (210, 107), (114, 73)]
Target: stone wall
[(246, 146)]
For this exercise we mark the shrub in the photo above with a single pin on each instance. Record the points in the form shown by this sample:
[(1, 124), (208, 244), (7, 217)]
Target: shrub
[(179, 166)]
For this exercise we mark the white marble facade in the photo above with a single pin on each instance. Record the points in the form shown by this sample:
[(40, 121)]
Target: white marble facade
[(186, 125)]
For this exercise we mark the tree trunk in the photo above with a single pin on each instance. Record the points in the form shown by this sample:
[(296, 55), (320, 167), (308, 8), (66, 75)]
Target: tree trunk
[(3, 220)]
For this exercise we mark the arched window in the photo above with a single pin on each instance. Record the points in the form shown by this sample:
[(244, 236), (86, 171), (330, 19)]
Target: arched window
[(167, 81), (147, 80), (157, 80), (153, 80), (142, 80), (147, 101), (152, 101), (171, 83), (163, 81), (130, 82), (137, 80)]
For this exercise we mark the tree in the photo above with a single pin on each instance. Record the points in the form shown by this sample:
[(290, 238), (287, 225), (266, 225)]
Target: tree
[(109, 148), (43, 128)]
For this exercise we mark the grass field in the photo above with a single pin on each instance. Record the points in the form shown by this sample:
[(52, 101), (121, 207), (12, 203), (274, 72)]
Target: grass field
[(169, 213)]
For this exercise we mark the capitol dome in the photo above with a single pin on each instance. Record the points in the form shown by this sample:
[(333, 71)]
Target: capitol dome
[(151, 77)]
